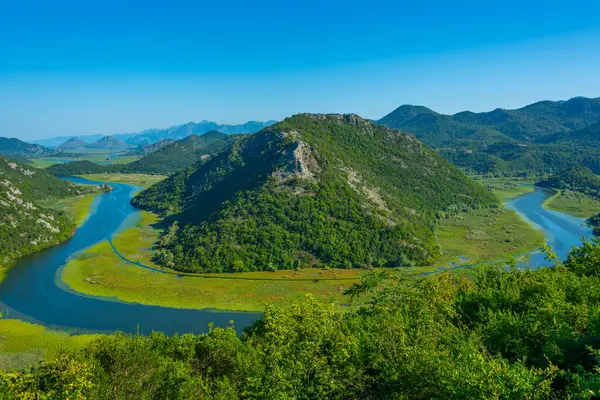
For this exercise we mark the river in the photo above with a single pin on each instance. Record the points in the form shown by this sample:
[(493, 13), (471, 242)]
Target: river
[(32, 290)]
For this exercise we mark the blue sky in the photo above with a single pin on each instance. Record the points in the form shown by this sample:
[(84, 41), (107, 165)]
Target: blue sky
[(82, 67)]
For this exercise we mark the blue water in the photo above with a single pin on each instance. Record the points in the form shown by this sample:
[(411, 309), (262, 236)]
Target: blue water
[(32, 290), (562, 231)]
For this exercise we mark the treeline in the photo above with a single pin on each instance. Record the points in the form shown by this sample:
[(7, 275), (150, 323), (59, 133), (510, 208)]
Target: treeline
[(505, 334)]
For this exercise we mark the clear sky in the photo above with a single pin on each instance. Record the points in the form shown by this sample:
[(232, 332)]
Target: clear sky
[(82, 67)]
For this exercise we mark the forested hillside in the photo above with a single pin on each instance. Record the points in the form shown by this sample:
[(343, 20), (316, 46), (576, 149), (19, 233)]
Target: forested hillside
[(545, 137), (335, 190), (505, 334), (12, 147), (25, 225), (577, 179)]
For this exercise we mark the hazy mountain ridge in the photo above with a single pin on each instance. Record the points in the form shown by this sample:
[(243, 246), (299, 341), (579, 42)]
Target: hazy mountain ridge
[(176, 132)]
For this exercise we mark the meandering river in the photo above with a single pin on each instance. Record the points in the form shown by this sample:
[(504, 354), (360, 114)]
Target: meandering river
[(32, 290)]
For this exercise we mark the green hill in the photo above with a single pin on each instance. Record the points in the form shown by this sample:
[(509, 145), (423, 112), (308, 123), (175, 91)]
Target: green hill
[(25, 225), (12, 147), (180, 154), (314, 189), (578, 179)]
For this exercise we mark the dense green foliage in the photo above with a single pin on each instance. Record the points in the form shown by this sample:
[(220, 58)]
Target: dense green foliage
[(180, 154), (542, 138), (80, 168), (314, 189), (164, 160), (577, 179), (508, 333), (25, 225)]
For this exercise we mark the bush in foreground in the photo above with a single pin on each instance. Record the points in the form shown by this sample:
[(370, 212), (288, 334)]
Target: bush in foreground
[(506, 333)]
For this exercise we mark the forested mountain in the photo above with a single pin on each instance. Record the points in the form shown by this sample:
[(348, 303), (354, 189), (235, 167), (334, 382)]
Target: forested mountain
[(108, 143), (545, 137), (528, 124), (72, 144), (180, 154), (25, 225), (314, 189), (578, 179), (14, 147)]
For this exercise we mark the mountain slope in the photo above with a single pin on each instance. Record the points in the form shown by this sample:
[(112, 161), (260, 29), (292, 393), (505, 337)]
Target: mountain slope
[(25, 225), (545, 137), (14, 147), (578, 179), (72, 144), (314, 189), (180, 154), (108, 143)]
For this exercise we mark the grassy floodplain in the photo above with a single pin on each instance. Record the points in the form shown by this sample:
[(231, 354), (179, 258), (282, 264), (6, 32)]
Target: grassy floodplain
[(23, 344), (79, 206), (573, 203), (96, 156), (142, 180), (480, 235), (100, 272)]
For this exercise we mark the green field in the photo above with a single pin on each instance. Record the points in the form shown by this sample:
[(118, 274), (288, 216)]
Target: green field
[(483, 235), (507, 188), (573, 203), (97, 156), (23, 345), (100, 272), (142, 180), (78, 207)]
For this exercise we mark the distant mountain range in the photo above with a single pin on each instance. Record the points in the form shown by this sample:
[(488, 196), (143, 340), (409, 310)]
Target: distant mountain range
[(531, 124), (541, 138), (154, 135)]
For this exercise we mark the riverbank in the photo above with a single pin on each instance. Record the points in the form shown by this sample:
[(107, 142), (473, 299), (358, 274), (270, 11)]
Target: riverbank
[(573, 203), (22, 344), (142, 180)]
